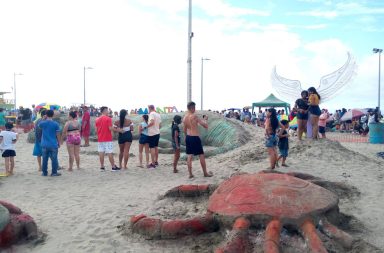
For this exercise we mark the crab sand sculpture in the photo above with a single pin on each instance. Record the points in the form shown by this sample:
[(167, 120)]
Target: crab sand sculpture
[(15, 226), (262, 200)]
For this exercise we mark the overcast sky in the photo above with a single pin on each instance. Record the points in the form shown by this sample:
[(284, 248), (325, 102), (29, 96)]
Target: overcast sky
[(138, 50)]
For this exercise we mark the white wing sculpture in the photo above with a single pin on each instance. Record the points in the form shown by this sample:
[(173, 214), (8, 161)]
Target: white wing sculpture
[(330, 85)]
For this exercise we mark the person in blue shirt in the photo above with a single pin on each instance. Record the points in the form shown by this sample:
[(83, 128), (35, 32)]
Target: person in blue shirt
[(50, 143)]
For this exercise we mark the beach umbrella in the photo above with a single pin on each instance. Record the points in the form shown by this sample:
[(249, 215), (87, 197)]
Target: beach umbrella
[(353, 113), (293, 123), (48, 106)]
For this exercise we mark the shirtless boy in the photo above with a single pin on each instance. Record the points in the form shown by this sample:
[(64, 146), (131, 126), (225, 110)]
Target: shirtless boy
[(192, 139)]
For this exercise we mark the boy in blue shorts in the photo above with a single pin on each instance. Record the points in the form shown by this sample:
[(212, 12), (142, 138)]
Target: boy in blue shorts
[(283, 142), (8, 139)]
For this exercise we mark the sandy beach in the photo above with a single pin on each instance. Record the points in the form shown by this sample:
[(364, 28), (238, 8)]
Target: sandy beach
[(86, 210)]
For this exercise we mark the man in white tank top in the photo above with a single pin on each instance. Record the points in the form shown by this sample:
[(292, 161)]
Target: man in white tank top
[(154, 125)]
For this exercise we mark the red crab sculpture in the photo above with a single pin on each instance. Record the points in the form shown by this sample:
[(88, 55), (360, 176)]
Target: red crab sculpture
[(270, 200), (15, 225)]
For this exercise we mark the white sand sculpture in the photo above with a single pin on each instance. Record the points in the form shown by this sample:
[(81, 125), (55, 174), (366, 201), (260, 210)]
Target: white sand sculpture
[(330, 85)]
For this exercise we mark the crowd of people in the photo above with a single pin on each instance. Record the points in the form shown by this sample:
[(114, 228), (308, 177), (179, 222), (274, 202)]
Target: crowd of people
[(311, 122), (49, 137)]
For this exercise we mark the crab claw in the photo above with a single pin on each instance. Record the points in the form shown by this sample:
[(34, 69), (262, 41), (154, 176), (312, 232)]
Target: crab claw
[(339, 235), (272, 237), (156, 228), (190, 191), (238, 241), (314, 243)]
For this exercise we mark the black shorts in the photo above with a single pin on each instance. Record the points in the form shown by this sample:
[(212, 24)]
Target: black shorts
[(143, 139), (193, 145), (321, 129), (125, 137), (302, 116), (153, 141), (9, 153)]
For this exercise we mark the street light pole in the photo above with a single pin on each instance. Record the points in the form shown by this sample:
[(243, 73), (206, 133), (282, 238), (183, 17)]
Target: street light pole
[(202, 78), (379, 51), (85, 68), (14, 86), (189, 60)]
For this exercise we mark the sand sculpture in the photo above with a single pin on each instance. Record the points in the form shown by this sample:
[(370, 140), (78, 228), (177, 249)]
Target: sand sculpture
[(244, 202), (15, 226)]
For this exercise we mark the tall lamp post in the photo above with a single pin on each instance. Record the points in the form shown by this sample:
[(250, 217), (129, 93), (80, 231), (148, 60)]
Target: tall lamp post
[(202, 78), (377, 50), (85, 68), (14, 86), (189, 60)]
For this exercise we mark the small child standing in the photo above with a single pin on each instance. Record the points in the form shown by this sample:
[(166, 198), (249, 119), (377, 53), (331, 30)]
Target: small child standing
[(176, 141), (7, 140), (283, 142)]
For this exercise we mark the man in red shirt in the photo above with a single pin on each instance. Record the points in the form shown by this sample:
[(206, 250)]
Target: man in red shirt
[(104, 129), (86, 126)]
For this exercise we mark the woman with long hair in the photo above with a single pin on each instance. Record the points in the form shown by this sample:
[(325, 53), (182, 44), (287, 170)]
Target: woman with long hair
[(125, 126), (301, 106), (314, 110), (271, 126), (71, 132), (143, 141)]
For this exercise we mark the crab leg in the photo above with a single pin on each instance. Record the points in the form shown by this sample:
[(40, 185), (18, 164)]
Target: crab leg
[(156, 228), (314, 243), (190, 190), (238, 239), (272, 237), (339, 235)]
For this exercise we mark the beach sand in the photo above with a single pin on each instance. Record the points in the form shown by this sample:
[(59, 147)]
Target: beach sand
[(87, 210)]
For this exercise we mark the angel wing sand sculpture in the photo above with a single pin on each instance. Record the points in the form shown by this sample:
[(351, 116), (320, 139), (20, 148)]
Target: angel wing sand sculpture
[(330, 85)]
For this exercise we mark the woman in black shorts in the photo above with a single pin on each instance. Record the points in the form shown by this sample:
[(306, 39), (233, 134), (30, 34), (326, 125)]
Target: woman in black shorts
[(301, 105), (125, 137)]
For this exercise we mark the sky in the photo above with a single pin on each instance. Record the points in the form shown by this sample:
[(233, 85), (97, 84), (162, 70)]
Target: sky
[(138, 50)]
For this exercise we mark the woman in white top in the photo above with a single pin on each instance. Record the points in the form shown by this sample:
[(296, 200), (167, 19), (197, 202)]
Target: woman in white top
[(143, 141)]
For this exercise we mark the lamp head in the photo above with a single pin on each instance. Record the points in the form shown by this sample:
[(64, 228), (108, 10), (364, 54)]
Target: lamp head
[(377, 50)]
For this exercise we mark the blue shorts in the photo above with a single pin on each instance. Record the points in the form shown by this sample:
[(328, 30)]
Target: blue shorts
[(271, 141), (143, 139), (302, 116), (283, 152), (315, 110), (37, 150), (321, 129)]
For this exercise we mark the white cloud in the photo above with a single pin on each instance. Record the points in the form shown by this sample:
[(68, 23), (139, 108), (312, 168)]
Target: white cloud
[(139, 54)]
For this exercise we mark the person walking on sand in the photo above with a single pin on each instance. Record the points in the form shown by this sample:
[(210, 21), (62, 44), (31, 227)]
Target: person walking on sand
[(50, 143), (192, 138), (71, 132), (37, 150), (143, 141), (154, 126), (8, 139), (125, 137), (175, 131), (104, 130), (86, 126)]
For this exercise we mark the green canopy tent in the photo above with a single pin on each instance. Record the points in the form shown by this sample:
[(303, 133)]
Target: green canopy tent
[(272, 101)]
